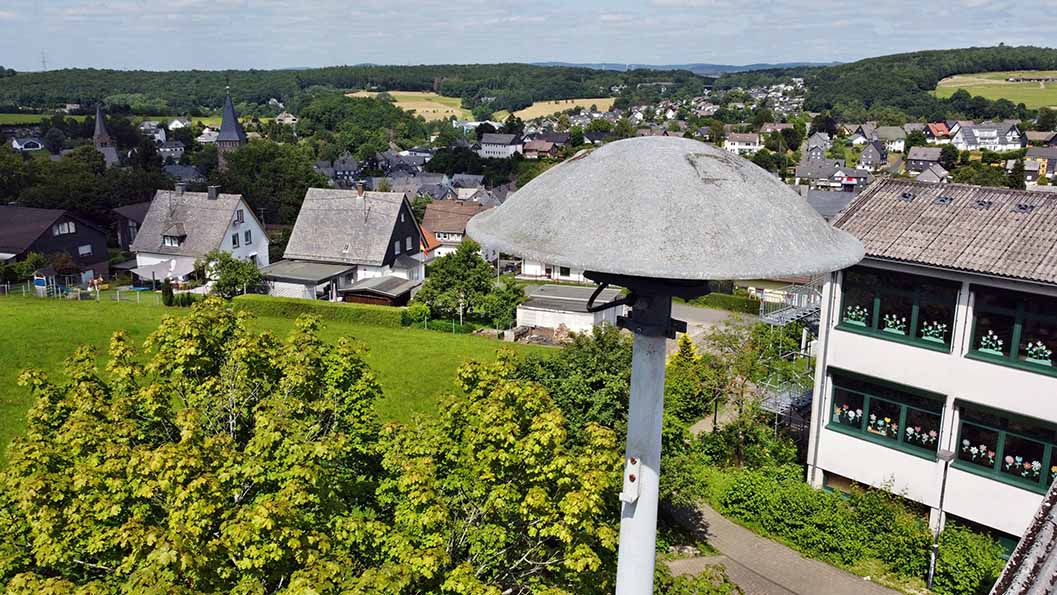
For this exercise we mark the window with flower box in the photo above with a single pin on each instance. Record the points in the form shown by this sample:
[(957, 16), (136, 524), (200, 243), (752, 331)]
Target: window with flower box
[(1007, 448), (1014, 328), (892, 416), (899, 306)]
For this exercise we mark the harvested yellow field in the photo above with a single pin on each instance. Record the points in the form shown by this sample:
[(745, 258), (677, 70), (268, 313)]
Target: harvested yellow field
[(547, 108), (426, 104)]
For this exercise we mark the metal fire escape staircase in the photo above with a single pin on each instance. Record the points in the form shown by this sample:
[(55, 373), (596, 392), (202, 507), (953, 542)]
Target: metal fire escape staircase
[(800, 303)]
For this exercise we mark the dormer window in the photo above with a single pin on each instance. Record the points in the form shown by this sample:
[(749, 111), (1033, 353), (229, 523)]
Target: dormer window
[(172, 241)]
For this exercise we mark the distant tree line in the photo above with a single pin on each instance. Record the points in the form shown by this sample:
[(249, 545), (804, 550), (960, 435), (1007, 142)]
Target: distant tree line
[(481, 87)]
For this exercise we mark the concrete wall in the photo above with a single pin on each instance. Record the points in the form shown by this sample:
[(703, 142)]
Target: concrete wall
[(538, 270), (959, 379)]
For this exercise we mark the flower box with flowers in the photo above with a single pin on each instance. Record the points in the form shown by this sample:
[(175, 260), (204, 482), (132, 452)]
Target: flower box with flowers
[(1037, 353), (991, 344), (980, 454), (1015, 465), (895, 325), (855, 315)]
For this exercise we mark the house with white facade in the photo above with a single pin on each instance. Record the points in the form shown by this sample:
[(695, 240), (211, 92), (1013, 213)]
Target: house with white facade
[(27, 144), (446, 220), (180, 227), (500, 146), (539, 270), (994, 136), (743, 143), (351, 245), (937, 350)]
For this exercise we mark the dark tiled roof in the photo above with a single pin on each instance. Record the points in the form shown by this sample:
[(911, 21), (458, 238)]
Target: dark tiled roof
[(135, 212), (21, 226), (500, 139), (203, 221), (924, 153), (230, 129), (330, 219), (993, 231), (829, 203), (389, 286)]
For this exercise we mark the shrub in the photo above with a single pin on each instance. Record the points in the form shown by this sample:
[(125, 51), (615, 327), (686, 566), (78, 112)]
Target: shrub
[(278, 307), (734, 303), (166, 293), (968, 562)]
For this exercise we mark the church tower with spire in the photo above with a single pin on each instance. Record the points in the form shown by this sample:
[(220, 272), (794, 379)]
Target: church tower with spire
[(101, 139), (231, 135)]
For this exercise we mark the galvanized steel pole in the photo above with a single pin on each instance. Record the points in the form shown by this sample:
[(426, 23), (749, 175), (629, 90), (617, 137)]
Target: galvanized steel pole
[(642, 456)]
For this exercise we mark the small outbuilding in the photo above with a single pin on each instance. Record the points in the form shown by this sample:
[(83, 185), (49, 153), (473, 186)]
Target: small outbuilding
[(551, 306)]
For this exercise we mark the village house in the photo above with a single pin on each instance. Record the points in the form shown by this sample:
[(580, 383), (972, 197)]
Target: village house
[(1046, 157), (447, 221), (286, 119), (863, 134), (178, 123), (994, 136), (500, 146), (553, 306), (127, 222), (894, 138), (180, 227), (27, 144), (535, 149), (874, 156), (831, 174), (937, 351), (51, 231), (351, 245), (153, 130), (934, 174), (171, 151), (742, 143), (937, 133), (1031, 170), (920, 158)]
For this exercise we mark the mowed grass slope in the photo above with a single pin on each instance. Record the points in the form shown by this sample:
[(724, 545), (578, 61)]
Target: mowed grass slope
[(546, 108), (993, 85), (415, 367), (430, 106)]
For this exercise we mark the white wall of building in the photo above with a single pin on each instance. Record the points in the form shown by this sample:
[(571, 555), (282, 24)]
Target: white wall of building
[(541, 270), (574, 321), (950, 374)]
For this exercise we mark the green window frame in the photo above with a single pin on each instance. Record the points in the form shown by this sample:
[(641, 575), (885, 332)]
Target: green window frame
[(929, 306), (1005, 462), (884, 413), (1029, 317)]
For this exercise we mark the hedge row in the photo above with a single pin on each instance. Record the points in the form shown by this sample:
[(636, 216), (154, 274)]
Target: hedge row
[(280, 307), (734, 303), (847, 529)]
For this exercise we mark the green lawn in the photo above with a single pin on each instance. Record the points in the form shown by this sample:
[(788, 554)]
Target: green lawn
[(993, 85), (414, 367)]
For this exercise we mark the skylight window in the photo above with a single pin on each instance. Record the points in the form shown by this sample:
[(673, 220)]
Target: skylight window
[(943, 200), (983, 204), (906, 196), (1023, 207)]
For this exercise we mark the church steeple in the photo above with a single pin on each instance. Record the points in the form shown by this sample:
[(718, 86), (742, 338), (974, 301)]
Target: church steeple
[(231, 135), (101, 136)]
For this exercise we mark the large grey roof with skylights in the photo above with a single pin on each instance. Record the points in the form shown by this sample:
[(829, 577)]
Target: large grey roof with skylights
[(665, 207)]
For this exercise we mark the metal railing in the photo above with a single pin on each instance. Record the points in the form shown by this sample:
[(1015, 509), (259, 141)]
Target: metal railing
[(798, 303)]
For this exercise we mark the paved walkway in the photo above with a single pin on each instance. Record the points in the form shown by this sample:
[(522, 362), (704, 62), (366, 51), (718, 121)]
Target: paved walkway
[(764, 567)]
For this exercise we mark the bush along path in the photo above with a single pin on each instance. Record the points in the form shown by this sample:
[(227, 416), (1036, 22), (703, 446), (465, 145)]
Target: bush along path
[(764, 567)]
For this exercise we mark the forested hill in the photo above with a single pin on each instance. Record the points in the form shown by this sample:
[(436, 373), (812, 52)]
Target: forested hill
[(903, 82), (500, 86)]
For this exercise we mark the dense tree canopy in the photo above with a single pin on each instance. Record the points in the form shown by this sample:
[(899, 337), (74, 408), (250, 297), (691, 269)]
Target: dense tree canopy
[(272, 177)]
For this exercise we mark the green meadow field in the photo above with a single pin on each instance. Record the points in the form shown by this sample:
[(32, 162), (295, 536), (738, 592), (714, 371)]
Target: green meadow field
[(993, 85), (414, 366)]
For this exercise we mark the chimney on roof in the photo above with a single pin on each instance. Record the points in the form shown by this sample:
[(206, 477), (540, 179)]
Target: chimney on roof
[(181, 187), (359, 188), (214, 192)]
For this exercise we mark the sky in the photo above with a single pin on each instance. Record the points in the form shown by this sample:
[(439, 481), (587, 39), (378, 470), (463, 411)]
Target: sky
[(221, 34)]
